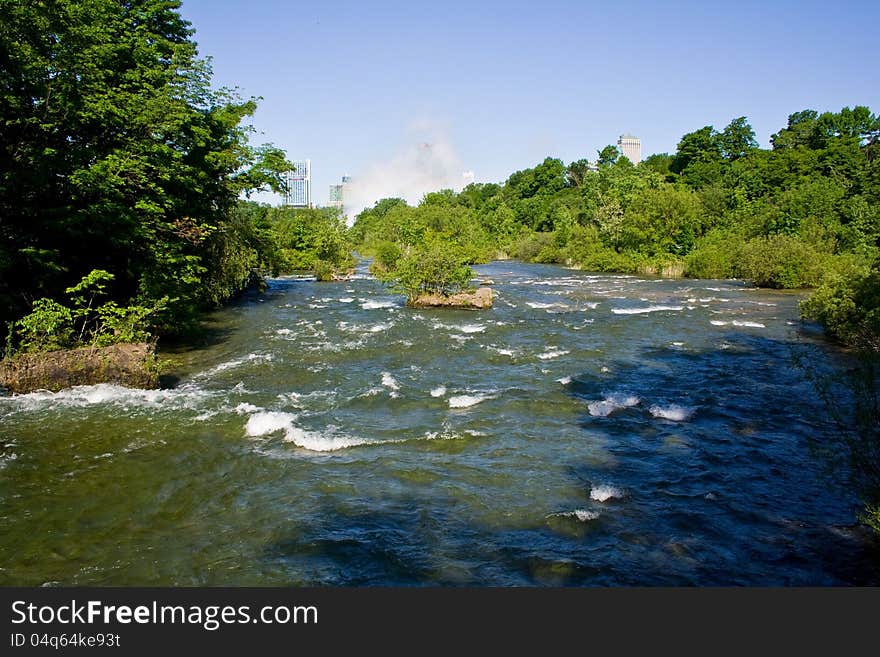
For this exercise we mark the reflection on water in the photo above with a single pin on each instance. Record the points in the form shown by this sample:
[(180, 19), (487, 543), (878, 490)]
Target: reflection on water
[(587, 430)]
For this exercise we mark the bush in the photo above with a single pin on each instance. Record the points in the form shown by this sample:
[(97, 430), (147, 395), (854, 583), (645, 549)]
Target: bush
[(528, 247), (52, 325), (430, 269), (48, 327), (606, 259), (324, 271), (714, 256), (386, 256), (848, 305), (780, 261)]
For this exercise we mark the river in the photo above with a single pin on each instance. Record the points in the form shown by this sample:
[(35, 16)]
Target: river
[(587, 430)]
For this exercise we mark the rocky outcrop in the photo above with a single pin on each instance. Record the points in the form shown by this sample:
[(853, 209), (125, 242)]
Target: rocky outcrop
[(132, 365), (479, 298)]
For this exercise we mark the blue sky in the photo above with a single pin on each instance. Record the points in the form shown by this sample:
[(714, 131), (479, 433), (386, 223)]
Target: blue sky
[(500, 85)]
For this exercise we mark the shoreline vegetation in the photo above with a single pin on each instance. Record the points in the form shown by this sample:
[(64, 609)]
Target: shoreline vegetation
[(125, 214)]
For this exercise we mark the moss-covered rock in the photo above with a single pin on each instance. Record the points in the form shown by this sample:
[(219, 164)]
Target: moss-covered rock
[(479, 298), (129, 364)]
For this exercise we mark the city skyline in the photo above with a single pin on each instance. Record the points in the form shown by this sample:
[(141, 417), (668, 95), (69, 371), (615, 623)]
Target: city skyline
[(517, 82)]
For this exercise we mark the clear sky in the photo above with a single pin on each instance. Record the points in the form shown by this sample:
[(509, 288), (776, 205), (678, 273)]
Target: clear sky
[(355, 86)]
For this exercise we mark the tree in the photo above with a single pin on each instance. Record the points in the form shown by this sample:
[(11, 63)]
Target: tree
[(659, 162), (608, 155), (802, 131), (702, 145), (737, 139), (117, 153), (577, 172)]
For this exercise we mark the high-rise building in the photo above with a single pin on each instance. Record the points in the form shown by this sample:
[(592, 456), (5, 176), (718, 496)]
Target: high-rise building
[(335, 197), (467, 178), (630, 147), (337, 193), (299, 185)]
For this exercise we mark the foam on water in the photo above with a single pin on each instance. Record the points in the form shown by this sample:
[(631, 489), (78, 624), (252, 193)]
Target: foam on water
[(390, 382), (553, 352), (237, 362), (472, 328), (639, 311), (466, 401), (611, 403), (268, 422), (543, 306), (320, 442), (737, 322), (378, 328), (581, 515), (346, 300), (564, 380), (374, 305), (439, 391), (187, 396), (605, 492), (673, 412)]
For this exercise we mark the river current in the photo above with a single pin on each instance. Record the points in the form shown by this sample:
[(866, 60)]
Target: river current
[(586, 430)]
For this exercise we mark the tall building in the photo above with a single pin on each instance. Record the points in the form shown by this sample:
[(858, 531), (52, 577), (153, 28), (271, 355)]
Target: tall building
[(299, 185), (335, 198), (630, 147), (337, 193), (467, 178)]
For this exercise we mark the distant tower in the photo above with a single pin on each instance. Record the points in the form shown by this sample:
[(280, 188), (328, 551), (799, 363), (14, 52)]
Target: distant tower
[(630, 147), (299, 185), (467, 178)]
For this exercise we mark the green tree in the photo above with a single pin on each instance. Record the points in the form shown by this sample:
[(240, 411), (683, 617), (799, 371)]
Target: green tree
[(702, 145), (737, 139), (117, 153), (608, 155), (434, 268)]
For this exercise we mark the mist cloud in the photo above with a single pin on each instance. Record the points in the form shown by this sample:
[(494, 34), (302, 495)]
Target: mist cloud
[(427, 162)]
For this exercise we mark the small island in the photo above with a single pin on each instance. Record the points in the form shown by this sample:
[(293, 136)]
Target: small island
[(431, 275)]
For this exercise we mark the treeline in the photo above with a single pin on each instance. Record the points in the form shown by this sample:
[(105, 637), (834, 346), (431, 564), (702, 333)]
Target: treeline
[(804, 213), (120, 173)]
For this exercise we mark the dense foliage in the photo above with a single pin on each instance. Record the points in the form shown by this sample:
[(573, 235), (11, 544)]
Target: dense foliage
[(116, 154), (313, 239), (433, 268), (805, 213), (87, 318)]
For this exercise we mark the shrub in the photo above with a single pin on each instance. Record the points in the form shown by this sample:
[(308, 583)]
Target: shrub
[(780, 261), (52, 325), (848, 305), (386, 255), (528, 247), (430, 269), (714, 256), (324, 270)]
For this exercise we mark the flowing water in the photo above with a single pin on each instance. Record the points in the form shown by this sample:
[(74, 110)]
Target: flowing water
[(587, 430)]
